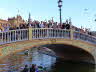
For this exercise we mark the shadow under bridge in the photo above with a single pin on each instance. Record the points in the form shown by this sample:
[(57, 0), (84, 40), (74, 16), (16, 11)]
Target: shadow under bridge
[(71, 53)]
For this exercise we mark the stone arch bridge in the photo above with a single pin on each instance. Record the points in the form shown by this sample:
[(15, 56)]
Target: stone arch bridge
[(83, 46)]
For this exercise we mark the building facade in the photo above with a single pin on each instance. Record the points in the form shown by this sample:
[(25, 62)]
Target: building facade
[(16, 21)]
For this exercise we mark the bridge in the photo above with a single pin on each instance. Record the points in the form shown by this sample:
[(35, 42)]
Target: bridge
[(66, 43)]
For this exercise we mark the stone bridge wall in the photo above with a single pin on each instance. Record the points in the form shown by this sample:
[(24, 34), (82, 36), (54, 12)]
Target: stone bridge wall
[(15, 47)]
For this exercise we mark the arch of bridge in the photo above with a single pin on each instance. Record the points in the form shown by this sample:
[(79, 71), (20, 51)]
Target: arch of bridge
[(15, 47)]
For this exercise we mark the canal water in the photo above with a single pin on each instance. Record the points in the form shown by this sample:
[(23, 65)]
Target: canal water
[(16, 62)]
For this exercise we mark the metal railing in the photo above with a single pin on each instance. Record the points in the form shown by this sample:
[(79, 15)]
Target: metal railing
[(43, 33)]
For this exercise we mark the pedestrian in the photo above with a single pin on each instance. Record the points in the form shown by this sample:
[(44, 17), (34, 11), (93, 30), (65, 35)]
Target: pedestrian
[(32, 68), (25, 69)]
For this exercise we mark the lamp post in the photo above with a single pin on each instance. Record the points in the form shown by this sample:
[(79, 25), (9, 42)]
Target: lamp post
[(60, 5)]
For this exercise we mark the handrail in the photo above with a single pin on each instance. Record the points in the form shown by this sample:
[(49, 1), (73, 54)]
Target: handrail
[(49, 33), (86, 34), (13, 36), (43, 33), (84, 37)]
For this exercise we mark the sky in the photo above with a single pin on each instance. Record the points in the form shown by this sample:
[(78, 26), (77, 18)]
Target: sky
[(82, 12)]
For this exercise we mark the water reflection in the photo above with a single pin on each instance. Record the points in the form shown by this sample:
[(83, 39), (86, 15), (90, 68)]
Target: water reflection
[(16, 62)]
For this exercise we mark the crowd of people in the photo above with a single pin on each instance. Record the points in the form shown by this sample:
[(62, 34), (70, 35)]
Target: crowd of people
[(34, 68), (43, 24), (55, 25), (50, 24)]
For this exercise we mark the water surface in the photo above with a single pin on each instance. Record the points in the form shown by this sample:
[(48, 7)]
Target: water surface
[(16, 62)]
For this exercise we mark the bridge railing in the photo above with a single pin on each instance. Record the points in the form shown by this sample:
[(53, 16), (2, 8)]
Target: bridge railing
[(13, 36), (84, 37), (43, 33), (38, 33)]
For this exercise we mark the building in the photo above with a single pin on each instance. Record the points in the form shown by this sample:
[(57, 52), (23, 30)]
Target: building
[(16, 21), (29, 20)]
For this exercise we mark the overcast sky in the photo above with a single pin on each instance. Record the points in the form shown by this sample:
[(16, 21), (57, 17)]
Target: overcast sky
[(82, 12)]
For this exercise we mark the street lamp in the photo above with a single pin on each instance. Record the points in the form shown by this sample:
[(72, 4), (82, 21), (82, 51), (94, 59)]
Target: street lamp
[(60, 5)]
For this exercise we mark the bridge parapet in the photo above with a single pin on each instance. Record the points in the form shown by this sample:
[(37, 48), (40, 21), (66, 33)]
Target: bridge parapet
[(13, 36), (43, 33), (84, 37), (38, 33)]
